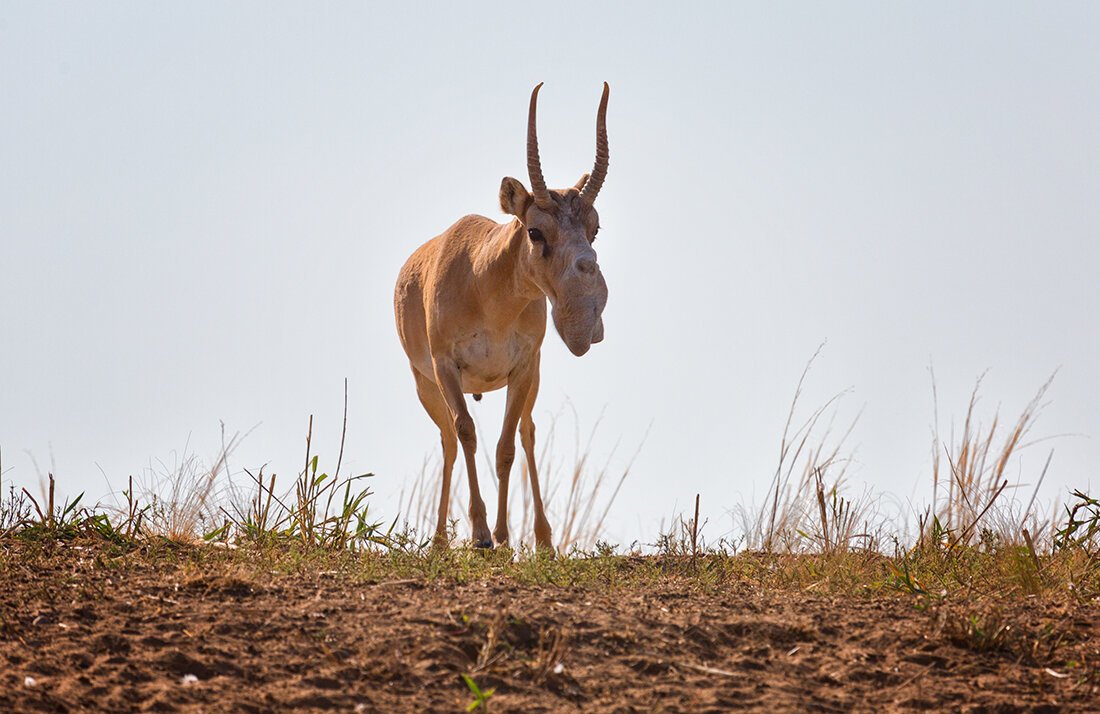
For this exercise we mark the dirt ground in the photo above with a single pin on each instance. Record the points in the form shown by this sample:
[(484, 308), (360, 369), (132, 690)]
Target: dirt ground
[(79, 632)]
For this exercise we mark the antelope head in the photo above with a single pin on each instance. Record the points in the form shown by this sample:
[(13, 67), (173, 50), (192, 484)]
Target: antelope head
[(561, 225)]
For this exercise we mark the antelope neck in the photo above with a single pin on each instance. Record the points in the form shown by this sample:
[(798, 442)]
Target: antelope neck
[(504, 260)]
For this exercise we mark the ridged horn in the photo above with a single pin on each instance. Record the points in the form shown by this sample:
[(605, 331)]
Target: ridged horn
[(599, 171), (534, 166)]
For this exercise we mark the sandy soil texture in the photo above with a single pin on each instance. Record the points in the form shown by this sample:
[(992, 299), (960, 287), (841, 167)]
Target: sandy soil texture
[(84, 633)]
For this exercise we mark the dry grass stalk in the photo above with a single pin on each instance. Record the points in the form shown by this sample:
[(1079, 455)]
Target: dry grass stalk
[(551, 651), (695, 533), (488, 654), (977, 460), (794, 515)]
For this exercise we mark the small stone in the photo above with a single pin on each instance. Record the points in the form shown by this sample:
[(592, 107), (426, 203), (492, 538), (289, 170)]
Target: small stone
[(29, 681), (188, 679)]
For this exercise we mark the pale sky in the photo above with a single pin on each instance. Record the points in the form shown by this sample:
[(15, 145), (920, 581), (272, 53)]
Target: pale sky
[(204, 206)]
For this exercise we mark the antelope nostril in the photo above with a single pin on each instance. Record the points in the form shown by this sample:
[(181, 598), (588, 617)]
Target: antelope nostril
[(586, 265)]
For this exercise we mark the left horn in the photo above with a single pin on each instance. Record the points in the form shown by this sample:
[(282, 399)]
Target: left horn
[(599, 171)]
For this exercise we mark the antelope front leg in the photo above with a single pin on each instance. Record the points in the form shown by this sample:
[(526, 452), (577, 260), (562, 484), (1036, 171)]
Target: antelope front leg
[(543, 536), (447, 376), (519, 388)]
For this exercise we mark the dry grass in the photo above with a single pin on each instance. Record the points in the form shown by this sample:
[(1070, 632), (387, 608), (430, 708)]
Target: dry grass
[(805, 508), (807, 533), (183, 496), (973, 492)]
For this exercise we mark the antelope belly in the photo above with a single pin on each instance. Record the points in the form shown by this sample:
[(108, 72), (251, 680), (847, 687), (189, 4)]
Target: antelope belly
[(485, 361)]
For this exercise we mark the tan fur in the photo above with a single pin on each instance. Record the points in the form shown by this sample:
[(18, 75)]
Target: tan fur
[(471, 314)]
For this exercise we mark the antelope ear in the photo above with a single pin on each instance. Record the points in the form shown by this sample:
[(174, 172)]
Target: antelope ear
[(580, 184), (514, 198)]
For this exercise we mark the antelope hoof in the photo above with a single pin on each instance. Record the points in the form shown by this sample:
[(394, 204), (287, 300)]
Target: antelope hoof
[(543, 540), (482, 538)]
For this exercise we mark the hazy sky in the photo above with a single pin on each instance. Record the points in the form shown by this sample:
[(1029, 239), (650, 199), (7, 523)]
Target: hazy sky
[(203, 208)]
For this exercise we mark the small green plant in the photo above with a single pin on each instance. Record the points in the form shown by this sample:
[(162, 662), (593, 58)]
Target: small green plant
[(135, 514), (320, 511), (480, 697), (62, 522), (902, 579)]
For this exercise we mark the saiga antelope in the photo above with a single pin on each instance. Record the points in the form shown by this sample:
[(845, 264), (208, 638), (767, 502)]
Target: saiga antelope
[(471, 313)]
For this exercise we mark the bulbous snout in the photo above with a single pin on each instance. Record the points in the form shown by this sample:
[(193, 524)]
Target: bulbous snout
[(578, 312)]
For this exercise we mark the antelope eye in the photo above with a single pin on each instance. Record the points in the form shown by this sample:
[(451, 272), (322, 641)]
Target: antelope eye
[(539, 239)]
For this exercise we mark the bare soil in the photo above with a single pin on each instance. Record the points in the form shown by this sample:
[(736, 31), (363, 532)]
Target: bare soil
[(84, 632)]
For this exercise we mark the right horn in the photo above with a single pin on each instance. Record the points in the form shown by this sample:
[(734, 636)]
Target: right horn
[(534, 166), (599, 171)]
